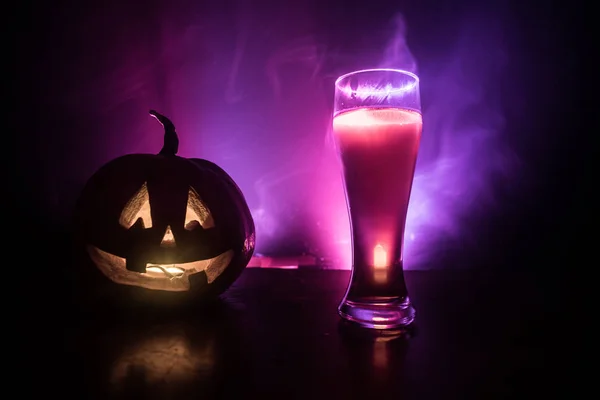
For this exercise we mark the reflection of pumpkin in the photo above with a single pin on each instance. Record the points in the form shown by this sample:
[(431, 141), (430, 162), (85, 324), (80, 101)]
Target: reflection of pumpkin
[(165, 222), (163, 357)]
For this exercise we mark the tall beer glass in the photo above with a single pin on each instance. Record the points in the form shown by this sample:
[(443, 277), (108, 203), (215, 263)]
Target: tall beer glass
[(377, 129)]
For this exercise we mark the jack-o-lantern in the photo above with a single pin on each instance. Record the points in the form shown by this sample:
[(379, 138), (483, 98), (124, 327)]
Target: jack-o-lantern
[(167, 223)]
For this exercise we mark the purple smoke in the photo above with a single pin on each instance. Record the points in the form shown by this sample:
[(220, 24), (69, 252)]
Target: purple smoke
[(461, 150), (256, 98)]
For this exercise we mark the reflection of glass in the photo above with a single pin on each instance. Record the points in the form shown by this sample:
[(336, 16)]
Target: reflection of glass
[(376, 360), (377, 128)]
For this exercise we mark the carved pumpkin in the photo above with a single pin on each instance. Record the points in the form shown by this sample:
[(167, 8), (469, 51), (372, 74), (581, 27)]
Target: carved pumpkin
[(163, 222)]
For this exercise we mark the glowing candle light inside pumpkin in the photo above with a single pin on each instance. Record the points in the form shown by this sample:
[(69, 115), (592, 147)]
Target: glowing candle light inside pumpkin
[(160, 270), (379, 257)]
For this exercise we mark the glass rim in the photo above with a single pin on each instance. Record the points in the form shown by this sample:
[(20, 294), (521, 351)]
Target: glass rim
[(400, 71)]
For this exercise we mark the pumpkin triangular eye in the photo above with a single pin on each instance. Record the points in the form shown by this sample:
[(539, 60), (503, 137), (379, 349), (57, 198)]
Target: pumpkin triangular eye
[(138, 207), (197, 213), (168, 239)]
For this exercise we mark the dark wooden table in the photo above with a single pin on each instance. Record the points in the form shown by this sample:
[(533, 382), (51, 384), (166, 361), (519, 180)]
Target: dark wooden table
[(276, 334)]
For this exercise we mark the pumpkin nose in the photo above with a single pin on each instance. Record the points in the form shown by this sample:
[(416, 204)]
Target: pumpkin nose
[(168, 239)]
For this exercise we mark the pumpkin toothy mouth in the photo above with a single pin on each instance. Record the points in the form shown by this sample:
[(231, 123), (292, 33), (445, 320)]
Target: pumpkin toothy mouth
[(168, 277)]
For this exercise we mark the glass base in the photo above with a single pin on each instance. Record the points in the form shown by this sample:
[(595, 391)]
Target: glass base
[(380, 315)]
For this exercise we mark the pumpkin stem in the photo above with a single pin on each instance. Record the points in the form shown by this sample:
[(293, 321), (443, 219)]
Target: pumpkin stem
[(171, 141)]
